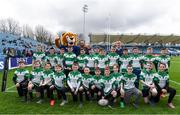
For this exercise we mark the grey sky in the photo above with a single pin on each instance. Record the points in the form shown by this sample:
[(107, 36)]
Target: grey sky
[(124, 16)]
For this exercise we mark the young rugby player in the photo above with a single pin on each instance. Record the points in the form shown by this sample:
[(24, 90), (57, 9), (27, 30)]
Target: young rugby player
[(59, 58), (96, 86), (128, 81), (148, 57), (108, 84), (20, 79), (82, 60), (102, 61), (39, 54), (69, 59), (51, 57), (46, 81), (87, 83), (136, 64), (146, 77), (74, 81), (58, 84), (91, 61), (35, 77), (124, 61), (118, 76), (162, 83), (96, 51), (164, 58), (113, 57)]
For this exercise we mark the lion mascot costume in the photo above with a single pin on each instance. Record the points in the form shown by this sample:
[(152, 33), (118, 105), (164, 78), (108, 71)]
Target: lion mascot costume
[(68, 39)]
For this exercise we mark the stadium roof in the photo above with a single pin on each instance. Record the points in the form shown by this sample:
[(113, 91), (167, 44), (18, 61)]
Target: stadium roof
[(127, 39)]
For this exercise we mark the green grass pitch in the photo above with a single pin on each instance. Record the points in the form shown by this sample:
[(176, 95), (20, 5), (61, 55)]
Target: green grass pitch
[(10, 103)]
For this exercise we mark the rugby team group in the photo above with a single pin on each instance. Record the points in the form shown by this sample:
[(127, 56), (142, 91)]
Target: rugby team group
[(96, 75)]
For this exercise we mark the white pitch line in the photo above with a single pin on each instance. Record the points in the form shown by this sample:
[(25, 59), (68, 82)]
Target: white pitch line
[(10, 87), (175, 82), (10, 91)]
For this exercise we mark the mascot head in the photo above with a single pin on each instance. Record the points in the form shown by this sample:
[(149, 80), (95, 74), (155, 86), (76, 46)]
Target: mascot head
[(67, 39)]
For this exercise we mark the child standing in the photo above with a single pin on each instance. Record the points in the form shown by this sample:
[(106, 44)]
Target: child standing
[(20, 79)]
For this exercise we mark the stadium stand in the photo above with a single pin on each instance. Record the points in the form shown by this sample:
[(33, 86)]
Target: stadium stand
[(18, 43), (171, 42), (126, 39)]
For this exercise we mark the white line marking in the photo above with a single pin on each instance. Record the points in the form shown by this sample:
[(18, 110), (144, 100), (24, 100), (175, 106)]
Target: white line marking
[(175, 82), (10, 87), (10, 91)]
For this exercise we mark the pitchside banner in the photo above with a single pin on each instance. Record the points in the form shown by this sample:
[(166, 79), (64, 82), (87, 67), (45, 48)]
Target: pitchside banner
[(13, 62), (1, 63)]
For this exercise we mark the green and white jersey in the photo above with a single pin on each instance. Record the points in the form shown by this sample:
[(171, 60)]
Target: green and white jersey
[(108, 84), (124, 61), (59, 80), (129, 81), (97, 81), (163, 59), (148, 58), (47, 76), (162, 78), (90, 61), (36, 75), (59, 59), (136, 60), (38, 56), (87, 80), (74, 77), (51, 59), (69, 59), (147, 77), (96, 55), (81, 59), (118, 76), (102, 61), (20, 75), (113, 59)]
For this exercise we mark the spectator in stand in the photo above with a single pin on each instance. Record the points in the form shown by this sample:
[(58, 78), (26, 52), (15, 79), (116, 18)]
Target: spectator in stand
[(19, 53), (29, 53), (82, 45), (88, 48), (4, 51), (119, 48)]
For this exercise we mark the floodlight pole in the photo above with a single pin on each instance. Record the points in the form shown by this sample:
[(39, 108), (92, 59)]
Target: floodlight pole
[(85, 10)]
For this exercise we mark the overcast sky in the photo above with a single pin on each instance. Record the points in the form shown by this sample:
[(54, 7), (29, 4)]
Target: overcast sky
[(123, 16)]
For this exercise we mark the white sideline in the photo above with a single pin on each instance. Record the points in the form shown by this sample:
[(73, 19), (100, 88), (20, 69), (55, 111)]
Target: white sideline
[(10, 87), (175, 82)]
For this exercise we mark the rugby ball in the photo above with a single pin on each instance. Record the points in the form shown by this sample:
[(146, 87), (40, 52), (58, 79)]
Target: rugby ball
[(103, 102)]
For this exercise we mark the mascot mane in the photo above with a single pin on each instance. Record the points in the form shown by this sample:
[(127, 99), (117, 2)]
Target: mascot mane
[(66, 39)]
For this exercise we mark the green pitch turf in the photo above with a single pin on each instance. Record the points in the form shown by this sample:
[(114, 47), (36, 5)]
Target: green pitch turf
[(10, 102)]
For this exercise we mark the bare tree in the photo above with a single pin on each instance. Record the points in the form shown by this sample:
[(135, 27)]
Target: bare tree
[(42, 34), (11, 26), (27, 31), (3, 26)]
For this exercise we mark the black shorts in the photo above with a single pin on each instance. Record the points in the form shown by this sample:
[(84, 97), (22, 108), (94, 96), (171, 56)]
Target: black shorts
[(36, 87), (96, 90), (24, 84), (108, 95), (118, 92), (145, 92)]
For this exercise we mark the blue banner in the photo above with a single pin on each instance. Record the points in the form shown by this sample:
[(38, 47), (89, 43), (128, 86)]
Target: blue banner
[(1, 62), (13, 62)]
